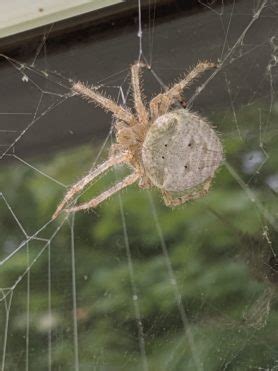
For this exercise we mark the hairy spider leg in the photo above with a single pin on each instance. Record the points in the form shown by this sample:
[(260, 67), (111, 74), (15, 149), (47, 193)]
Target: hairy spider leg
[(160, 104), (141, 111), (108, 104), (81, 184), (176, 201), (106, 194)]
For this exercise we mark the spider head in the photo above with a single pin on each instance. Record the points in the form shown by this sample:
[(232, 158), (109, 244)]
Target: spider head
[(125, 136)]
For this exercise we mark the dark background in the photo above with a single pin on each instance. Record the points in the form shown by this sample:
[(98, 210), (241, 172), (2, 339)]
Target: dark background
[(104, 44)]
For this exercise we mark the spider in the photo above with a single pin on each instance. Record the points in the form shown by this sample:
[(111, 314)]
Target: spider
[(172, 149)]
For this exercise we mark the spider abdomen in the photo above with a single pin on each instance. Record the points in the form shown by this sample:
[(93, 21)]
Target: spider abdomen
[(181, 151)]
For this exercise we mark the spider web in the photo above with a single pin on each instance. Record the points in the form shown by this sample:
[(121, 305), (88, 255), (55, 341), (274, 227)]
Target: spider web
[(134, 285)]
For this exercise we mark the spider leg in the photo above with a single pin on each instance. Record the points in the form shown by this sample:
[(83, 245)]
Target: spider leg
[(81, 184), (92, 96), (142, 113), (160, 104), (130, 179), (176, 201)]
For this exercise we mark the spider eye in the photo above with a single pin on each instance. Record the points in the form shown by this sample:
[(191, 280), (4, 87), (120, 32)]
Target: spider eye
[(185, 166), (163, 157), (165, 145), (189, 144)]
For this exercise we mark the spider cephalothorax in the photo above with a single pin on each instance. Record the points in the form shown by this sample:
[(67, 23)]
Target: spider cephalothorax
[(173, 149)]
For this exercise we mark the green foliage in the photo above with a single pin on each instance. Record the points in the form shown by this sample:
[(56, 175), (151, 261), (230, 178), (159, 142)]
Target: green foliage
[(215, 261)]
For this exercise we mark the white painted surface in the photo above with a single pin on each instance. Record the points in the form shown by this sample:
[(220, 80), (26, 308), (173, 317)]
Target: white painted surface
[(22, 15)]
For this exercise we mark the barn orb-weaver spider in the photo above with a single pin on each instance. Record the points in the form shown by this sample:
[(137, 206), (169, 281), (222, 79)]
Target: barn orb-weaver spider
[(173, 149)]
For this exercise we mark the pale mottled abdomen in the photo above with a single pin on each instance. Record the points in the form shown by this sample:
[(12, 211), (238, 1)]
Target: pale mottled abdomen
[(181, 151)]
